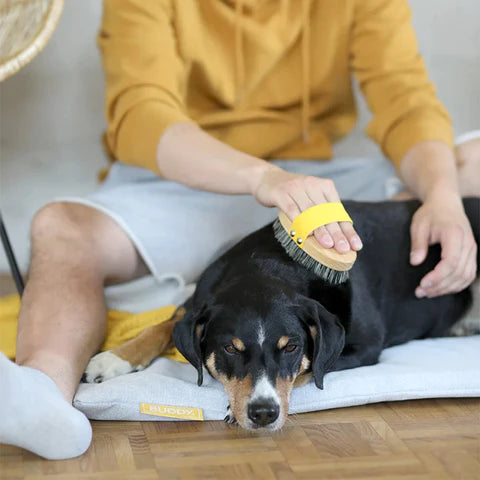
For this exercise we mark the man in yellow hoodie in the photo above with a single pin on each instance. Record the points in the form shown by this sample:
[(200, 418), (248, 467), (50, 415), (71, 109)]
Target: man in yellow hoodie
[(203, 93)]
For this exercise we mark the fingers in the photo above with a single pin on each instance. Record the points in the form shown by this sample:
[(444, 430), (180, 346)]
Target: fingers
[(297, 193), (456, 270), (303, 202), (342, 234), (420, 235), (465, 273), (451, 243), (351, 235)]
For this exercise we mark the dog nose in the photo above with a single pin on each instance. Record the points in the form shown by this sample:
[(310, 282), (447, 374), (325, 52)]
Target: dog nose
[(263, 414)]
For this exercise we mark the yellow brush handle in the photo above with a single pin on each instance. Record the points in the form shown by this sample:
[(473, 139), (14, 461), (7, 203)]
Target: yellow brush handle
[(314, 217)]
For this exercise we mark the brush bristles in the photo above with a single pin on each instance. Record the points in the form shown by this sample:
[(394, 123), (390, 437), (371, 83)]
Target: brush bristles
[(334, 277)]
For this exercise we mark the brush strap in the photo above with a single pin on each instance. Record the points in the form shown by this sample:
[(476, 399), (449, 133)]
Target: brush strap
[(312, 218)]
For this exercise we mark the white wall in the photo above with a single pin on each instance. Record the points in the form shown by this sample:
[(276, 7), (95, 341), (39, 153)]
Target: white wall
[(51, 113)]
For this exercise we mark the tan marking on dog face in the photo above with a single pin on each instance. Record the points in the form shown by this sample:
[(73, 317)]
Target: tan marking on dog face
[(303, 375), (305, 365), (313, 331), (211, 366), (302, 379), (238, 392), (238, 344), (282, 342), (284, 387)]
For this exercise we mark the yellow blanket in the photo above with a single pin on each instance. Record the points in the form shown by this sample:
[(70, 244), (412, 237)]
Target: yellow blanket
[(121, 326)]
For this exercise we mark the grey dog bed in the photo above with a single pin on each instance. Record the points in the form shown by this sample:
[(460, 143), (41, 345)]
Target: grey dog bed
[(167, 390), (445, 367)]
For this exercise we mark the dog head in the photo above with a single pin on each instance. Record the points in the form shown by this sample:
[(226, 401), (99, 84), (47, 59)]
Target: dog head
[(256, 343)]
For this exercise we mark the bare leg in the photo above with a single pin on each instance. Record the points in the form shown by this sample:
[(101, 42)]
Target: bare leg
[(75, 251)]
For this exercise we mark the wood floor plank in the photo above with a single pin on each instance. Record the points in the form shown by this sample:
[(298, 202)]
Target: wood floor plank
[(351, 467), (11, 467), (142, 455), (459, 464), (385, 431), (338, 440), (116, 475)]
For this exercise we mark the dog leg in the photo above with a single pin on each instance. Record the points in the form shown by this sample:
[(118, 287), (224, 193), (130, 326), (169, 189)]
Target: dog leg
[(357, 356), (134, 355), (230, 418)]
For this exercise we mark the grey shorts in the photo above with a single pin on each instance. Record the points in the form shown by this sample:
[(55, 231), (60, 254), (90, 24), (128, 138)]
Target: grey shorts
[(178, 231)]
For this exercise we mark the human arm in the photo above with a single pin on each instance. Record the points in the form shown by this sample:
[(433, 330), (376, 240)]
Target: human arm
[(188, 155), (414, 131), (149, 126), (429, 171), (144, 78), (391, 73)]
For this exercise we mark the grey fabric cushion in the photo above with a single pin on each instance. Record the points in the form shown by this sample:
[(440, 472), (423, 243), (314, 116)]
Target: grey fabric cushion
[(445, 367)]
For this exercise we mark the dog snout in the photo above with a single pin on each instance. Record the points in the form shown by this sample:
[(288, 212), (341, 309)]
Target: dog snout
[(263, 414)]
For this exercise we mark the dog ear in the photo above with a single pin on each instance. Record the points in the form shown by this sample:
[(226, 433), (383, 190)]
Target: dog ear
[(187, 337), (328, 339)]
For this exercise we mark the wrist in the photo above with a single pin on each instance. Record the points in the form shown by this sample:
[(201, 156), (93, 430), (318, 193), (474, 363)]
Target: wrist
[(429, 170), (443, 192), (255, 175)]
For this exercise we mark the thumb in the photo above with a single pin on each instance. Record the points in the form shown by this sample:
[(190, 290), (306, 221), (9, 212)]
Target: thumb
[(420, 233)]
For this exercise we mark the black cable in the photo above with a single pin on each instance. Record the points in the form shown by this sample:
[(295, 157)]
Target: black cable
[(17, 276)]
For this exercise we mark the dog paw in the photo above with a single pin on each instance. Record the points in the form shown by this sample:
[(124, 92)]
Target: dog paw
[(230, 419), (465, 327), (107, 365)]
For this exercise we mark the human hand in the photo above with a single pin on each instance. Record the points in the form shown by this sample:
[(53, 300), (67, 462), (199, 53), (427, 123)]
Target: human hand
[(294, 193), (441, 219)]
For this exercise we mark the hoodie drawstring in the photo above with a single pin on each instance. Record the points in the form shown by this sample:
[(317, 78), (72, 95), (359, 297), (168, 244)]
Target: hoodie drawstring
[(305, 71), (239, 53)]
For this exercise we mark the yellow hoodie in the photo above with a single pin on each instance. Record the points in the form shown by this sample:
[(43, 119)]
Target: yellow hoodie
[(271, 78)]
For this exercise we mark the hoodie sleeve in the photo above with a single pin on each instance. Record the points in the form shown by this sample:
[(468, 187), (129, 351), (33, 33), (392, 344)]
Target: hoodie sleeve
[(145, 78), (392, 76)]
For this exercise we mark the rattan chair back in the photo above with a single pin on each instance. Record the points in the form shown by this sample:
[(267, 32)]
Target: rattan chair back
[(25, 28)]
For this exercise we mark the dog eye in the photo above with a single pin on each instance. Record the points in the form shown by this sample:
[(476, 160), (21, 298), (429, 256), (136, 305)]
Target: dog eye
[(290, 348), (230, 349)]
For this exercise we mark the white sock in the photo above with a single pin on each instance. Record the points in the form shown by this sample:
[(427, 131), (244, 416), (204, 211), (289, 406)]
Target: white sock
[(34, 414)]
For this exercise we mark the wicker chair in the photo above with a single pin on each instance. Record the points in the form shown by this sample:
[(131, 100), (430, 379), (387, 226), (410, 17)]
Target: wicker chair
[(25, 28)]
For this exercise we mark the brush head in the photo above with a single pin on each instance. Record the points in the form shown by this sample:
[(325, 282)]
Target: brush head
[(330, 274)]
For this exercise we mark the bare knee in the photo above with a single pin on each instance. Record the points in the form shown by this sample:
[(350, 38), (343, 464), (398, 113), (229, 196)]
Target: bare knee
[(57, 221), (82, 234)]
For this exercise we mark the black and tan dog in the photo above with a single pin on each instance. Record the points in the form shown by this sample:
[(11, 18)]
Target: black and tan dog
[(260, 323)]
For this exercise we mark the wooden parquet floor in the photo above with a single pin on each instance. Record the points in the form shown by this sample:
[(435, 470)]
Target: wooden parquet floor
[(424, 439)]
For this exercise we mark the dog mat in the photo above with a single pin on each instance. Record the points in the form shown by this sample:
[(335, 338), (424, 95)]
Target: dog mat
[(167, 389)]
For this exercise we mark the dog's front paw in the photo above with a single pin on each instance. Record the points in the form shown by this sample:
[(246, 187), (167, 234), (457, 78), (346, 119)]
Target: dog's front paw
[(106, 365), (230, 419)]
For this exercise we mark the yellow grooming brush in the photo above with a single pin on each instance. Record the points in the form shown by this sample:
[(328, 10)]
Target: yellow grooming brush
[(295, 237)]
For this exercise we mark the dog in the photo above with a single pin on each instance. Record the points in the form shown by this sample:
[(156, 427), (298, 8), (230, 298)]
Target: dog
[(261, 324)]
